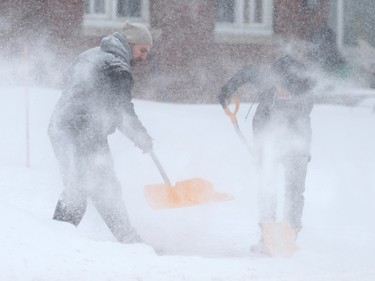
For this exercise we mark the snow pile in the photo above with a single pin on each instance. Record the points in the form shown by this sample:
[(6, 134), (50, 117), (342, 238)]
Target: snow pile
[(208, 242)]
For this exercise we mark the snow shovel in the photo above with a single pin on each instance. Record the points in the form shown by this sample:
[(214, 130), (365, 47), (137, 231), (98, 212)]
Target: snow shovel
[(278, 239), (186, 193), (233, 119)]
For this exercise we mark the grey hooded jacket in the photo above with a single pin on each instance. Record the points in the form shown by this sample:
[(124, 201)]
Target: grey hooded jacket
[(97, 97), (293, 112)]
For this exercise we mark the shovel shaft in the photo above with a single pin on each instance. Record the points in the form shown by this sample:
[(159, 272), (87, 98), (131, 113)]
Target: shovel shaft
[(160, 167), (233, 118), (242, 137)]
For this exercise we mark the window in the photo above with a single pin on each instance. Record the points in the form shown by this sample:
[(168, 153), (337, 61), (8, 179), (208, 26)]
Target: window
[(311, 3), (129, 8), (96, 8), (105, 15), (353, 23), (253, 17)]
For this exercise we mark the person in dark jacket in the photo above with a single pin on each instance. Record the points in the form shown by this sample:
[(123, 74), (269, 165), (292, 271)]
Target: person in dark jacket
[(96, 101), (281, 132)]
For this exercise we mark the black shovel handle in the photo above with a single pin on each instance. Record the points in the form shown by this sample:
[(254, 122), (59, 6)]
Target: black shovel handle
[(160, 168), (233, 118)]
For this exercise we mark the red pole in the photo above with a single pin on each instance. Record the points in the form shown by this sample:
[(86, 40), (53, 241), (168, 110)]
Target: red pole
[(27, 121)]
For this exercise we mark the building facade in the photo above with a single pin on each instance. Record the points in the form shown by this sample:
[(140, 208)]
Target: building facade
[(199, 44)]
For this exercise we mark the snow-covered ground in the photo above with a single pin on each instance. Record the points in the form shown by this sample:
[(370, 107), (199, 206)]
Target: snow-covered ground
[(204, 243)]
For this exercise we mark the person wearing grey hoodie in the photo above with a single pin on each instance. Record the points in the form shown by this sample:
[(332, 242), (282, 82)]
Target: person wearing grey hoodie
[(281, 133), (96, 101)]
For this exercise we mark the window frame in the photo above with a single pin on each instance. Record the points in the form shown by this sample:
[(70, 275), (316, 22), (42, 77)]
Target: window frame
[(241, 31), (102, 24), (352, 52)]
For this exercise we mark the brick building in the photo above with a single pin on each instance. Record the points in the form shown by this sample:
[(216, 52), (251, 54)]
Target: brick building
[(198, 43)]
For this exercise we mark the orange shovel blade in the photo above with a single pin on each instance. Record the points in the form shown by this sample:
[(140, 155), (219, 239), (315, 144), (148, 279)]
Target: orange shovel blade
[(186, 193), (279, 239)]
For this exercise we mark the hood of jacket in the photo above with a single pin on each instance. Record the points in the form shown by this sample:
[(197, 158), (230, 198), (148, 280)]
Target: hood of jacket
[(117, 45)]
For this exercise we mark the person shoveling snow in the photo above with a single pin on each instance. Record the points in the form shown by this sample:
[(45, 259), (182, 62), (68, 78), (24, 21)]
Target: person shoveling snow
[(282, 135)]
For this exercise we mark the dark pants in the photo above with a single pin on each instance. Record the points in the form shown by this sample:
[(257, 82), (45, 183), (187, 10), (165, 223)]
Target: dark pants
[(292, 154), (295, 171), (87, 172)]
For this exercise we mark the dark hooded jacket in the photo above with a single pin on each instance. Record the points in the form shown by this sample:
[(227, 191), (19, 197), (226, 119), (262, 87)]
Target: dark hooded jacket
[(97, 97), (292, 112)]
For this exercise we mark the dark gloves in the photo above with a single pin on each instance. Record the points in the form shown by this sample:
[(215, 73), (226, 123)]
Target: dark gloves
[(223, 99)]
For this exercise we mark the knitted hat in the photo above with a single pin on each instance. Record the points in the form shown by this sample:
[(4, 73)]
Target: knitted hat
[(137, 33)]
